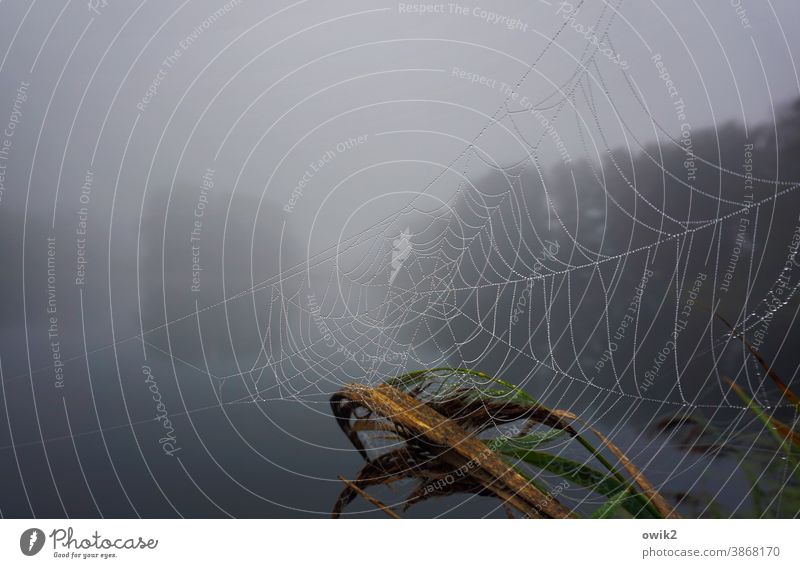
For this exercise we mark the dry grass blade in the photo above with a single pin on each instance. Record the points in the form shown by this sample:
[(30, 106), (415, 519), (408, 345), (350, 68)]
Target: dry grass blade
[(370, 498), (477, 415), (783, 387), (451, 444), (455, 430), (383, 470), (783, 432), (639, 479)]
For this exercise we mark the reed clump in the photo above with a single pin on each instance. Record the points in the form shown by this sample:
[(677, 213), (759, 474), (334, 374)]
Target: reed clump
[(451, 431)]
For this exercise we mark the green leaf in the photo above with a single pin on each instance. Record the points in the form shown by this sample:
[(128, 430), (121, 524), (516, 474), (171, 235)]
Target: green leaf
[(615, 502), (453, 378), (527, 442), (768, 421), (638, 505)]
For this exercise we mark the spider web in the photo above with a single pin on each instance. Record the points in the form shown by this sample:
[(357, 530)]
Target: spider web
[(393, 310)]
